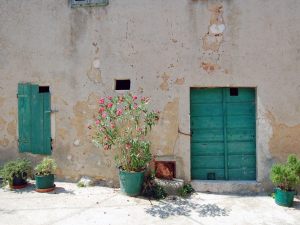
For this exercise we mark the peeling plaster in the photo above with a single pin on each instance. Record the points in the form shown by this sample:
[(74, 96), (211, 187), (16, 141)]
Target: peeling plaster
[(2, 123), (4, 142), (2, 100), (285, 139), (165, 134), (165, 85), (12, 128), (209, 67), (214, 37), (94, 74), (180, 81)]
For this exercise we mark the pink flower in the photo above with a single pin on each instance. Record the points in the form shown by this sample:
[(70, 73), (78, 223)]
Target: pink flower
[(109, 97), (109, 105), (101, 101), (134, 97), (101, 110), (97, 122), (128, 146), (119, 112), (104, 115), (112, 125), (135, 106)]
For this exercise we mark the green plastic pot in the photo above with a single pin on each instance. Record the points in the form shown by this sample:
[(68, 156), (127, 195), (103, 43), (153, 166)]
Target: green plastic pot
[(284, 198), (131, 182), (44, 182)]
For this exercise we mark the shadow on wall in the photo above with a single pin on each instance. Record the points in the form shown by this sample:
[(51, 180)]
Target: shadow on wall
[(183, 207)]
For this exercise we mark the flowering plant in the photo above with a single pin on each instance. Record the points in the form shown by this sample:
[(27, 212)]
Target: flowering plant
[(123, 123)]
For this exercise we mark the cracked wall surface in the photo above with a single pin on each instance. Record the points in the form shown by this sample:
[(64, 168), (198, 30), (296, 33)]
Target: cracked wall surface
[(164, 47)]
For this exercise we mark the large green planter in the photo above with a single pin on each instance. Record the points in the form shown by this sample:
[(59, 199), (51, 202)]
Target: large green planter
[(284, 198), (131, 182), (44, 182)]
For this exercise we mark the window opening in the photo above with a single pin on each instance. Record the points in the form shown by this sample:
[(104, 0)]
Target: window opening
[(122, 85)]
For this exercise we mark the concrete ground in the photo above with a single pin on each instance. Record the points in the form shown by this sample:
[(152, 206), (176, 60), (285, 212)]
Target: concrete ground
[(69, 204)]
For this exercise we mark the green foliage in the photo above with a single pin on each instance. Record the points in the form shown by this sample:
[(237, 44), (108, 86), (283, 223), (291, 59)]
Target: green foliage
[(286, 176), (122, 124), (46, 167), (80, 184), (186, 190), (20, 168), (153, 190)]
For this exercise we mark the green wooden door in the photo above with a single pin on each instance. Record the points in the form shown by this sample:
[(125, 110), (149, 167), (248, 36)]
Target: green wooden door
[(34, 119), (223, 134)]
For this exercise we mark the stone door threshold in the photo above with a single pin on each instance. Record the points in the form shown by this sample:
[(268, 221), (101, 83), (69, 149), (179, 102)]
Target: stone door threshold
[(233, 187)]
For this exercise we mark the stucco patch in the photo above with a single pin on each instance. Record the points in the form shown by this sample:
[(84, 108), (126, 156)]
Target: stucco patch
[(165, 134), (285, 139), (165, 85), (12, 128)]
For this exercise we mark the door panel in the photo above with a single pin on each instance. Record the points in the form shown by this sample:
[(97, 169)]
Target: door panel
[(223, 128)]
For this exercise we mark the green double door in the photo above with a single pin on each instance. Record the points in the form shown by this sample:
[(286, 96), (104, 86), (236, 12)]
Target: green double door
[(223, 128)]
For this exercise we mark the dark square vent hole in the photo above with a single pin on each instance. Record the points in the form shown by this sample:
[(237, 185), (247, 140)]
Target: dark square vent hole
[(234, 92), (43, 89), (122, 85)]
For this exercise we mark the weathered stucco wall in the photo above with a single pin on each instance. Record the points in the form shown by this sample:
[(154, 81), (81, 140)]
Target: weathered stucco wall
[(164, 47)]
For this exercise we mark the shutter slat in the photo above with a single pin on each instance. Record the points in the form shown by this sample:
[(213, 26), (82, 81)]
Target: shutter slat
[(47, 123), (24, 116)]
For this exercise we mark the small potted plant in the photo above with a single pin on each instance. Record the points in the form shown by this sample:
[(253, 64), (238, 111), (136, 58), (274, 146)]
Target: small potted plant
[(15, 173), (286, 177), (44, 175), (122, 124)]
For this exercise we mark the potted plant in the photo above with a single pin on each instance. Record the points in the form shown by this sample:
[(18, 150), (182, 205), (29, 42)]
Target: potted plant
[(15, 173), (286, 177), (44, 175), (122, 124)]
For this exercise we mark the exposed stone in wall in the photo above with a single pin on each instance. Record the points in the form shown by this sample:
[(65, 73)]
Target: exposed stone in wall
[(285, 139), (214, 37), (165, 134), (165, 85)]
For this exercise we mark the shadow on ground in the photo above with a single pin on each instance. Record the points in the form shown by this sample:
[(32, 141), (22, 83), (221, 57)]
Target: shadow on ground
[(31, 188), (184, 207)]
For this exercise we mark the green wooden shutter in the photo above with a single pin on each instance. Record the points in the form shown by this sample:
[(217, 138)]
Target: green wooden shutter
[(24, 117), (47, 123), (34, 120)]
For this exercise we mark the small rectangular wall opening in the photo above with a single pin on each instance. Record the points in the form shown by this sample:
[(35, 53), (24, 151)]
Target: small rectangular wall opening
[(234, 92), (165, 169), (122, 84), (43, 89)]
